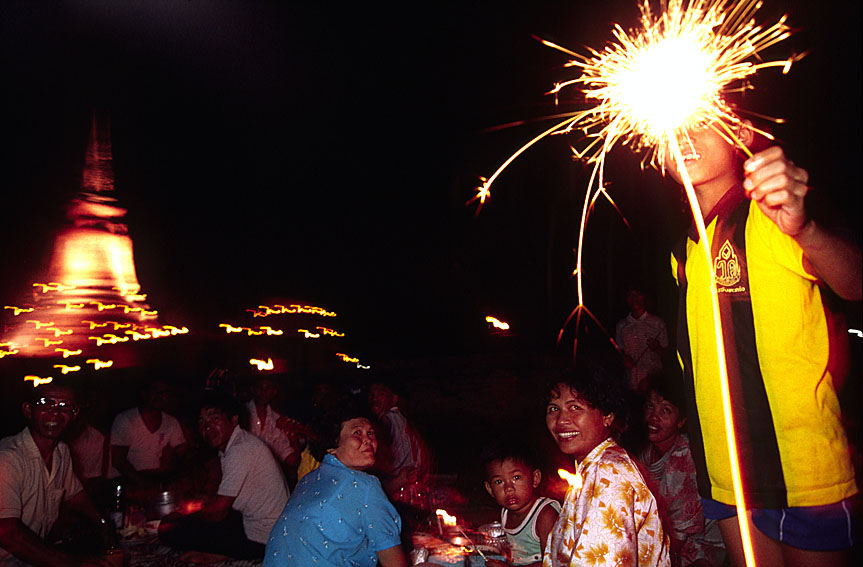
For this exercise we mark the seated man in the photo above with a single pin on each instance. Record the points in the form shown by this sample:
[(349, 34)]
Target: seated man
[(263, 423), (145, 440), (405, 460), (36, 477), (236, 521)]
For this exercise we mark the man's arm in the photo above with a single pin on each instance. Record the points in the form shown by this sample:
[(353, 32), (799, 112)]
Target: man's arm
[(120, 461), (81, 503), (24, 544), (779, 188), (216, 508)]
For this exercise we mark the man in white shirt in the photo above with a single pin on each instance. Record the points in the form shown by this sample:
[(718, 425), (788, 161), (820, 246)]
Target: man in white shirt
[(36, 477), (145, 441), (263, 424), (236, 521), (404, 461), (642, 338)]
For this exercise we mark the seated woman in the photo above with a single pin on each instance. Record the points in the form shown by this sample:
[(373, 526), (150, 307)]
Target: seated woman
[(612, 518), (670, 474), (339, 515)]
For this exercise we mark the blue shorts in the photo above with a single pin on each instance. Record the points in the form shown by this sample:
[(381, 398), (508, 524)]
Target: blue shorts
[(815, 528)]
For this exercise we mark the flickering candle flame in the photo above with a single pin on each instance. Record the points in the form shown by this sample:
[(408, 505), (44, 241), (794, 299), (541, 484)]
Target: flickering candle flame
[(330, 332), (262, 364), (53, 286), (40, 324), (266, 311), (573, 480), (4, 353), (38, 381), (59, 332), (177, 330), (308, 334), (447, 519), (99, 364), (230, 328), (18, 310), (346, 357), (497, 323), (67, 353), (67, 369)]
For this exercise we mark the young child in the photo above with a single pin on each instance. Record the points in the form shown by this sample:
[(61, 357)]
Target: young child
[(669, 471), (770, 261), (512, 479)]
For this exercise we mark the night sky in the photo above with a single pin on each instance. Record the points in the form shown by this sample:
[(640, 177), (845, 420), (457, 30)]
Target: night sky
[(324, 151)]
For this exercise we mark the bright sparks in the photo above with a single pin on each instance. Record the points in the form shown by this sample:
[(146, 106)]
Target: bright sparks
[(646, 90), (661, 79)]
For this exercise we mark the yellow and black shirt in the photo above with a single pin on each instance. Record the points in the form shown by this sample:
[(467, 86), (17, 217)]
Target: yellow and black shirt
[(791, 444)]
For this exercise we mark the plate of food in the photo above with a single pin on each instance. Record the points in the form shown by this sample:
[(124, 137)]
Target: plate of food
[(133, 535)]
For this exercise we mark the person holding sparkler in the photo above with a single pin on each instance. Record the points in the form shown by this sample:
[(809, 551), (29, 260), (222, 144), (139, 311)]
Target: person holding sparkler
[(770, 260)]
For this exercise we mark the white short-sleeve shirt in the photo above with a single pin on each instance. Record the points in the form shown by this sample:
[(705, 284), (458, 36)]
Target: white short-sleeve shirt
[(268, 432), (252, 477), (145, 447), (28, 490)]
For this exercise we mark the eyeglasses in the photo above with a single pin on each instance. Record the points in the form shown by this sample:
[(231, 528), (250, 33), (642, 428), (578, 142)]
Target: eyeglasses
[(63, 406)]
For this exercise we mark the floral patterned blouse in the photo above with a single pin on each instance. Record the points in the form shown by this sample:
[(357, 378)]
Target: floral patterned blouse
[(671, 478), (611, 520)]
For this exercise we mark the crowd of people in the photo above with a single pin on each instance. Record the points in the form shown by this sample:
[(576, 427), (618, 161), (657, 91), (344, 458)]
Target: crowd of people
[(332, 486)]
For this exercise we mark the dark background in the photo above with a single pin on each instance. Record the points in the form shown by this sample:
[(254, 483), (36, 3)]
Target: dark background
[(323, 153)]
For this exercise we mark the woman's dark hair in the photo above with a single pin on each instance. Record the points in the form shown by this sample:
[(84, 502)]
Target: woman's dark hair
[(669, 386), (595, 383), (329, 426)]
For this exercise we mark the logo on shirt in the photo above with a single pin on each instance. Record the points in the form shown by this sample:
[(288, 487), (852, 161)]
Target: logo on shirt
[(726, 267)]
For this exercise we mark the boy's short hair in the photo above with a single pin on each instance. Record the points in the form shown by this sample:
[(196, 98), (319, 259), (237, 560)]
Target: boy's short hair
[(214, 399), (502, 450)]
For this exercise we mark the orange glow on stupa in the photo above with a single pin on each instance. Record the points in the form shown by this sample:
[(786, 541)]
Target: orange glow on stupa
[(89, 296)]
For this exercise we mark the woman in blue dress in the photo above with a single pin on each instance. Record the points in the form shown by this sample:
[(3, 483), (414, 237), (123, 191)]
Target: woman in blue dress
[(338, 515)]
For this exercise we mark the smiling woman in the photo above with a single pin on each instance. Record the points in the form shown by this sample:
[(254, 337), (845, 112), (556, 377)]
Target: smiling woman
[(339, 515), (610, 517)]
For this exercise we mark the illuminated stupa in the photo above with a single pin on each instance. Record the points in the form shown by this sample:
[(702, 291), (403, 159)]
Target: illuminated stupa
[(89, 298)]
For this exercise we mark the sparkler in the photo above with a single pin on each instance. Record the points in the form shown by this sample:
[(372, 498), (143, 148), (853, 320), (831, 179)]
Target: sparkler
[(646, 90)]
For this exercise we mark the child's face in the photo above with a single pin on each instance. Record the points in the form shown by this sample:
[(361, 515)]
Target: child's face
[(663, 420), (512, 483), (710, 161)]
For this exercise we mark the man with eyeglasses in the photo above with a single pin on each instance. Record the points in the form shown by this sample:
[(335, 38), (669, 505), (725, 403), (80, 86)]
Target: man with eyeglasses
[(36, 477)]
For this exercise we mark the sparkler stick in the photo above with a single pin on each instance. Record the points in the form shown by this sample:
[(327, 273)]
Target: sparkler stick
[(646, 89), (736, 481)]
